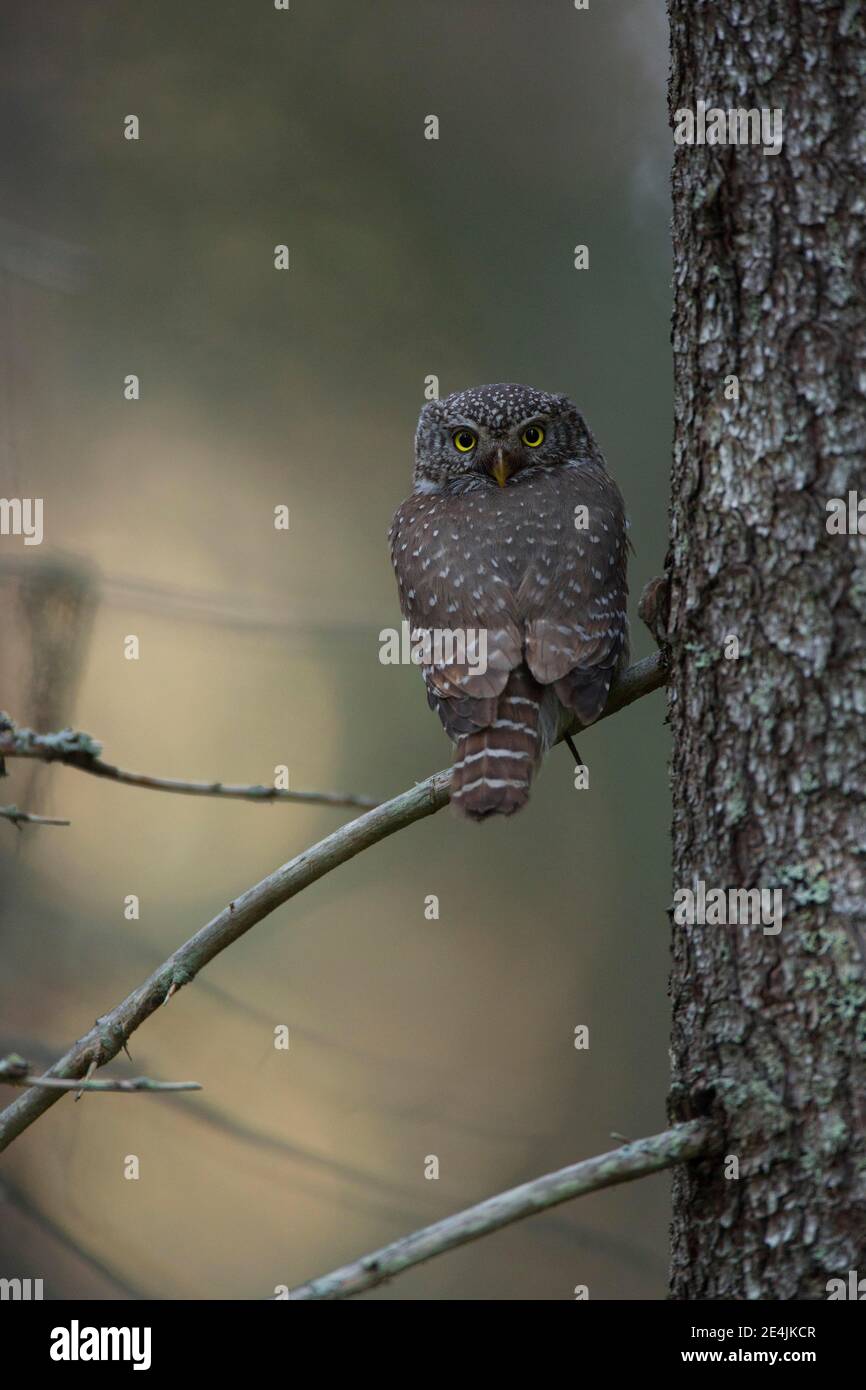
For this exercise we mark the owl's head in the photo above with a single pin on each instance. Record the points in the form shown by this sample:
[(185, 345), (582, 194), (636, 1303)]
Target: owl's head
[(488, 435)]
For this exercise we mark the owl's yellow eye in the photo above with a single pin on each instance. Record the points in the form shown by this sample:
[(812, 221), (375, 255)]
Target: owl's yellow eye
[(532, 436), (465, 441)]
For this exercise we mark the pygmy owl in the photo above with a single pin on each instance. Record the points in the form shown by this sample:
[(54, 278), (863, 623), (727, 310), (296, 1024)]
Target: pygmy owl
[(514, 530)]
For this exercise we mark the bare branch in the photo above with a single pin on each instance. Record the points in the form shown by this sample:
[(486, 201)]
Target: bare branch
[(636, 1160), (25, 818), (79, 750), (15, 1071), (111, 1032)]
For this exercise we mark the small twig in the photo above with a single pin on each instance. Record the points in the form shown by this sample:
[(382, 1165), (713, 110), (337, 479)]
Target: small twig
[(636, 1160), (110, 1033), (134, 1083), (79, 750), (25, 818), (15, 1071), (91, 1068)]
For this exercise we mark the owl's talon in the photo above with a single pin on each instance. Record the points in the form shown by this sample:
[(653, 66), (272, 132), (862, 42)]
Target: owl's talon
[(574, 753)]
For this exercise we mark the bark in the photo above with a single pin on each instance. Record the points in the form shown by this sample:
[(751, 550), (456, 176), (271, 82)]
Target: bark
[(769, 765)]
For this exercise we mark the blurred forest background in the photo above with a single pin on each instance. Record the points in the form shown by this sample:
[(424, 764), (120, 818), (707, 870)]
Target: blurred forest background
[(409, 257)]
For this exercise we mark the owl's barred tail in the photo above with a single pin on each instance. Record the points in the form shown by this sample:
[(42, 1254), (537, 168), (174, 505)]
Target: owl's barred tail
[(494, 767)]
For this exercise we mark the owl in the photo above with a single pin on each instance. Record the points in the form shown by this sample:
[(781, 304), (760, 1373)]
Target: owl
[(515, 536)]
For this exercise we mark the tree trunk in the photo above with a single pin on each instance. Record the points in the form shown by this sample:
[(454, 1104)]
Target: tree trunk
[(769, 767)]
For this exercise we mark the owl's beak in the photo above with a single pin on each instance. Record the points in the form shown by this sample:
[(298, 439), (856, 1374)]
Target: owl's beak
[(501, 468)]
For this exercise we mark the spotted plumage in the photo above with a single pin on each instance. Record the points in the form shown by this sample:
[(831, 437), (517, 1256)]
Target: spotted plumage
[(514, 527)]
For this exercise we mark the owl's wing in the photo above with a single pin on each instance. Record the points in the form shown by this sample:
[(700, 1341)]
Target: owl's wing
[(444, 558), (574, 590)]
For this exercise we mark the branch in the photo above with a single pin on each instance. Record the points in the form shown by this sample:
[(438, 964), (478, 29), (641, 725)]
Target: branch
[(111, 1032), (80, 750), (14, 1071), (25, 818), (636, 1160)]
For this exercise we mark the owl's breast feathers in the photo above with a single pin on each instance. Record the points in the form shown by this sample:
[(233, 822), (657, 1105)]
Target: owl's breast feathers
[(540, 566)]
